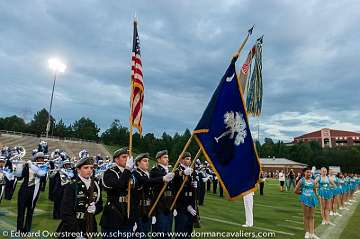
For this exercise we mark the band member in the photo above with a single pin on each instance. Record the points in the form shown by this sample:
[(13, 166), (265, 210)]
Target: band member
[(163, 214), (2, 177), (306, 188), (248, 206), (81, 202), (29, 191), (185, 204), (144, 193), (61, 179), (116, 183)]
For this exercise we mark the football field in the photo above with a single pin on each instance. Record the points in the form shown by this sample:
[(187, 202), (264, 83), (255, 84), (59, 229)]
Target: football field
[(278, 213)]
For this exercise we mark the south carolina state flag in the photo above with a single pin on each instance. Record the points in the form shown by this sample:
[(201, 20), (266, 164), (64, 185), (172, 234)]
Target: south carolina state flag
[(224, 135)]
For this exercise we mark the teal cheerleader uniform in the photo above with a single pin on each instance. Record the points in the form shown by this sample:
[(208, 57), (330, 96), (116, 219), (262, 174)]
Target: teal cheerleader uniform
[(307, 196), (324, 188)]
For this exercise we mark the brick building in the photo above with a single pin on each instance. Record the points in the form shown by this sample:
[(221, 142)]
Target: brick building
[(277, 164), (331, 138)]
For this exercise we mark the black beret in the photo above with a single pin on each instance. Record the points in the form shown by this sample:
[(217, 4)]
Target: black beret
[(123, 150), (84, 161), (141, 156), (186, 154), (161, 153)]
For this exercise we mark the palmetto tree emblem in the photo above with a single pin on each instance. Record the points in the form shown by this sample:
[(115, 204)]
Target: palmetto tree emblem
[(235, 124)]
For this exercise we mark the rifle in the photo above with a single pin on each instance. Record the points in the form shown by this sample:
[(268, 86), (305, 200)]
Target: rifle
[(196, 218)]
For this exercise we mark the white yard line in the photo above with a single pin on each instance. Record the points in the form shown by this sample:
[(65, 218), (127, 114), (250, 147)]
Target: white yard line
[(291, 227), (334, 232), (280, 208), (256, 227), (287, 220)]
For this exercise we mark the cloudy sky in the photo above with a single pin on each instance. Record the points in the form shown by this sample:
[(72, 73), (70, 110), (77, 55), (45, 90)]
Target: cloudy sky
[(310, 60)]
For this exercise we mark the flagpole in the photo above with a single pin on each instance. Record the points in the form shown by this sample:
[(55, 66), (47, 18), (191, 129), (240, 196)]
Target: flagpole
[(130, 136), (184, 181), (244, 41), (174, 168)]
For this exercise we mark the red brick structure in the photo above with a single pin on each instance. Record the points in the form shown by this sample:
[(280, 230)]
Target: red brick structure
[(277, 164), (331, 138)]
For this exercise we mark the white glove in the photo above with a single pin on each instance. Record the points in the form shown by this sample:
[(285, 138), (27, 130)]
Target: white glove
[(188, 171), (92, 208), (130, 163), (194, 184), (153, 220), (134, 227), (205, 179), (191, 210), (174, 213), (168, 177)]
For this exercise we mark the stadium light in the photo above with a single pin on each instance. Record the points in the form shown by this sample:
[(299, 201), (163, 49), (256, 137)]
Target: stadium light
[(56, 66)]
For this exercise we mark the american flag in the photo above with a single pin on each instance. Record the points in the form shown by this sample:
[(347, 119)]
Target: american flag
[(137, 84)]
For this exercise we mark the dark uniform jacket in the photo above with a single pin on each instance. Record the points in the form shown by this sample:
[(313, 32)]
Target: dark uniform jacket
[(187, 194), (115, 183), (168, 195), (75, 202), (143, 193)]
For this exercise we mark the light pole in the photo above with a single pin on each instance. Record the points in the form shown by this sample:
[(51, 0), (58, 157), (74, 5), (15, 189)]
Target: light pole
[(57, 67)]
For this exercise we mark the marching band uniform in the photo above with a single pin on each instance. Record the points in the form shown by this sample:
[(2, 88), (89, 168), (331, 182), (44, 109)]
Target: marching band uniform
[(8, 179), (248, 206), (28, 193), (2, 178), (80, 203), (61, 179)]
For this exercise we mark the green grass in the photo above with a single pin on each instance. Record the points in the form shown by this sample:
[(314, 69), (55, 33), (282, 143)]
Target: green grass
[(279, 211), (352, 228)]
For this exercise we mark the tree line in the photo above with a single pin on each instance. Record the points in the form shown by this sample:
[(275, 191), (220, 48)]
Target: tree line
[(311, 153)]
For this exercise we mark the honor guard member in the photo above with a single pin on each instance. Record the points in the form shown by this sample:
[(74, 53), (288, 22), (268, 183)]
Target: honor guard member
[(163, 214), (203, 178), (81, 202), (143, 192), (185, 204), (61, 179), (115, 181), (29, 191)]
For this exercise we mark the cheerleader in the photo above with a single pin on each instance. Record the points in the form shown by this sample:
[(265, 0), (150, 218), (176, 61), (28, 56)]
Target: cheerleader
[(352, 187), (335, 200), (305, 187), (341, 191), (325, 195), (346, 189)]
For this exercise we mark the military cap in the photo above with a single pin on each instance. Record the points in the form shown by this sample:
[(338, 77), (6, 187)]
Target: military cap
[(139, 157), (123, 150), (161, 153), (186, 154), (84, 161)]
